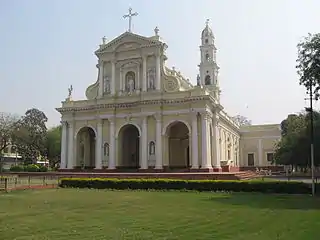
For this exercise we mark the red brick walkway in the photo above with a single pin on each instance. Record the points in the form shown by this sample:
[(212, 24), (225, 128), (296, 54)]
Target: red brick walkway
[(49, 186)]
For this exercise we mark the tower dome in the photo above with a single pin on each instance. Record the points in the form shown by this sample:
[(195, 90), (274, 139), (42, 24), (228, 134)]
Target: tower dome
[(207, 35)]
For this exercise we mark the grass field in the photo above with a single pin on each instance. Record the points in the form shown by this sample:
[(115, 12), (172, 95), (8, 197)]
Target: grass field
[(62, 214)]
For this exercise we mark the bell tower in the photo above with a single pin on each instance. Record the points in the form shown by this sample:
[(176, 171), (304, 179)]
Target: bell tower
[(208, 67)]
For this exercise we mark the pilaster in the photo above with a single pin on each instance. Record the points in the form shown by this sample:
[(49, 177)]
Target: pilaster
[(216, 144), (194, 141), (70, 162), (158, 72), (159, 163), (206, 158), (101, 87), (260, 153), (144, 73), (144, 144), (64, 145), (112, 145), (113, 77), (98, 150)]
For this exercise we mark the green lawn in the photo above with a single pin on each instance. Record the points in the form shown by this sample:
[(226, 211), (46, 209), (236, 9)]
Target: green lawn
[(69, 214)]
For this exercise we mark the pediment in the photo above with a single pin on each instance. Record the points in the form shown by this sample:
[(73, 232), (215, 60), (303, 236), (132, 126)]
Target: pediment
[(125, 42)]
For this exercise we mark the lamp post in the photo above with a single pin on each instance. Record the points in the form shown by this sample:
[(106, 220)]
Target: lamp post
[(310, 110)]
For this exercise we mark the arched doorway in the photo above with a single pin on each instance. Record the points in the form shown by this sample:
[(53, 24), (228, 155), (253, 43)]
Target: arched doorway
[(178, 145), (129, 147), (86, 148)]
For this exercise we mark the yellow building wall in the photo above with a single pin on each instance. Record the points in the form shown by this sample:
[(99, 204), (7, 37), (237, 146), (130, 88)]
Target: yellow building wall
[(253, 137)]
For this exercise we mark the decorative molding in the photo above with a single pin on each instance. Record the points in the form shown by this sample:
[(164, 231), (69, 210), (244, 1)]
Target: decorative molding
[(262, 137), (164, 129), (160, 102)]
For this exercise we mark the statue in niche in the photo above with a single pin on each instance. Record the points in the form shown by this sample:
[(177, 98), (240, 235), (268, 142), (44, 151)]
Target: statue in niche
[(130, 80), (152, 148), (151, 78), (198, 80), (207, 80), (106, 83)]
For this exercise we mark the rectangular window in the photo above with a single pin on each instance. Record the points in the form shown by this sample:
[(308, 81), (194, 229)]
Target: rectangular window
[(269, 157), (229, 155), (250, 159)]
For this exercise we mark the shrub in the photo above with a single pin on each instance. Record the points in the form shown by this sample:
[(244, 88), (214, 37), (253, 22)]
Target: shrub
[(17, 168), (32, 168), (197, 185), (43, 168)]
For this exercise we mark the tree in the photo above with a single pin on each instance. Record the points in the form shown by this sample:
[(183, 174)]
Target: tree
[(308, 63), (30, 135), (294, 146), (53, 145), (7, 126), (241, 120)]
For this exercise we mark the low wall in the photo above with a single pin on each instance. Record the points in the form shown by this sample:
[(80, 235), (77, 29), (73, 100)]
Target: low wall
[(185, 176)]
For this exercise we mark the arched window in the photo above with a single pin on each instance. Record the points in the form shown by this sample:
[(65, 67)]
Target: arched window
[(207, 56), (207, 80), (106, 149), (152, 148)]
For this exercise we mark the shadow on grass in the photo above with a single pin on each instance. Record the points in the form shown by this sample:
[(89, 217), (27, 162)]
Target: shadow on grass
[(271, 201)]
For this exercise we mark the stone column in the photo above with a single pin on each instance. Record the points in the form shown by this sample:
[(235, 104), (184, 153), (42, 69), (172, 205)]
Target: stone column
[(112, 145), (70, 163), (64, 145), (159, 164), (194, 136), (144, 73), (122, 85), (98, 154), (144, 144), (260, 153), (216, 144), (101, 87), (206, 160), (137, 87), (113, 77), (158, 73)]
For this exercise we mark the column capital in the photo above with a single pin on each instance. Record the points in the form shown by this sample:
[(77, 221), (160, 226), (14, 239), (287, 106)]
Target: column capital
[(158, 117), (112, 120), (205, 115), (194, 114), (100, 63), (63, 122)]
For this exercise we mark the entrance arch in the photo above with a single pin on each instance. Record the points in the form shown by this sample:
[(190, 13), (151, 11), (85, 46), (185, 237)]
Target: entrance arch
[(129, 146), (85, 147), (178, 145)]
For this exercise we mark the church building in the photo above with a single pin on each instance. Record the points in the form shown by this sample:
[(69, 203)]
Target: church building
[(140, 114)]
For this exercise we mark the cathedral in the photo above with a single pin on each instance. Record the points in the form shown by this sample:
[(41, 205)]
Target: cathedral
[(140, 114)]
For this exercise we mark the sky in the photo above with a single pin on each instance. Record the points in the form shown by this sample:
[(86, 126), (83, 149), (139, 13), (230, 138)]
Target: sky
[(45, 46)]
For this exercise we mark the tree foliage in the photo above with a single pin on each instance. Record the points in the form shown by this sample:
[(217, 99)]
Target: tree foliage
[(241, 120), (53, 145), (308, 63), (7, 125), (30, 135), (294, 146)]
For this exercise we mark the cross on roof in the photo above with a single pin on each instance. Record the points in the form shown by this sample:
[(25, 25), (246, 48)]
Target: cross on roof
[(130, 15)]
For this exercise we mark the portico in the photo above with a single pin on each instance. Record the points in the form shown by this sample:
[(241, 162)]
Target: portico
[(134, 143)]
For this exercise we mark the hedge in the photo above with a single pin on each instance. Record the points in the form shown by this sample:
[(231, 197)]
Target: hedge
[(28, 168), (291, 187)]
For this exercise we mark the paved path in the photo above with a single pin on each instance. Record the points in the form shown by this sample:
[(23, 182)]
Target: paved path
[(300, 179)]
